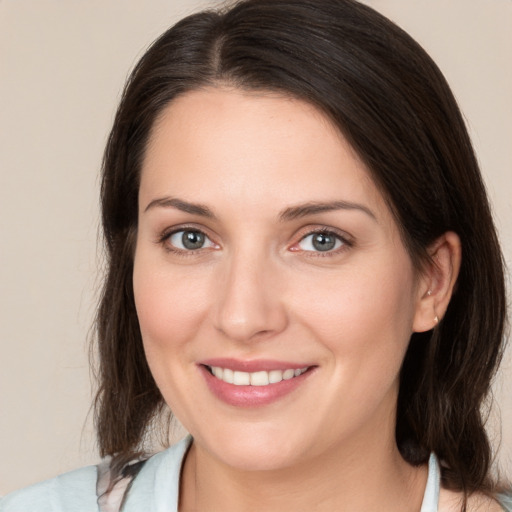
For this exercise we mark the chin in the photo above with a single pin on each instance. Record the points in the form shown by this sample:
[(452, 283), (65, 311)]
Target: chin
[(252, 449), (256, 459)]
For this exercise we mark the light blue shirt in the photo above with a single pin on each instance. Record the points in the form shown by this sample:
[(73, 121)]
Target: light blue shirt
[(155, 489)]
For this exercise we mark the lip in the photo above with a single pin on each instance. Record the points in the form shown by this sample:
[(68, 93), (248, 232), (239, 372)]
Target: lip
[(252, 396), (256, 365)]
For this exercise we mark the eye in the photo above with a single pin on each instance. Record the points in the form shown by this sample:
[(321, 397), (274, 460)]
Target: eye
[(323, 241), (189, 240)]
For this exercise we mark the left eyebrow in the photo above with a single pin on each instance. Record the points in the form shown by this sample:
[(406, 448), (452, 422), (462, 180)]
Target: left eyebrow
[(311, 208), (179, 204)]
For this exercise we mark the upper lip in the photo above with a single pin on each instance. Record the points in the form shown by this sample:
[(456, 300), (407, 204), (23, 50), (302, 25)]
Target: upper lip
[(256, 365)]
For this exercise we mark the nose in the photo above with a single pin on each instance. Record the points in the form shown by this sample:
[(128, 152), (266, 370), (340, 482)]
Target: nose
[(249, 305)]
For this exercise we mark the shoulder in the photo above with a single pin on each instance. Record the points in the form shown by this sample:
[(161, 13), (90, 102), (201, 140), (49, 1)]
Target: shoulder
[(70, 492), (156, 486)]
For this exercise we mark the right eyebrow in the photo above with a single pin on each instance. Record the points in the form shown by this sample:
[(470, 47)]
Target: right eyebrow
[(312, 208), (179, 204)]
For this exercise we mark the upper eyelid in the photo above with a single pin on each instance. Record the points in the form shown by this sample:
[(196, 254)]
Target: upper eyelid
[(330, 233), (165, 233), (343, 235)]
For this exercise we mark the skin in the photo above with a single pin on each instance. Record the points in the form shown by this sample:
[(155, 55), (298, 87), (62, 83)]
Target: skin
[(258, 289)]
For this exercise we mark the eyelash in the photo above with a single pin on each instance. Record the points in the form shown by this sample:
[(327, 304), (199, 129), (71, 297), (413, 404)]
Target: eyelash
[(164, 240), (346, 242)]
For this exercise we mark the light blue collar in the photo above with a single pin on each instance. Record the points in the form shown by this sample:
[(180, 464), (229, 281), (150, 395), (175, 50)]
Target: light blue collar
[(431, 497), (156, 487)]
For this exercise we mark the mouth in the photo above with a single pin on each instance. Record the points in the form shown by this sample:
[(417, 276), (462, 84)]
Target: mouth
[(250, 384), (259, 378)]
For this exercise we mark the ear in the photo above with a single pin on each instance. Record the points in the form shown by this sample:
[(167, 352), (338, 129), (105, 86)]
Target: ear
[(437, 281)]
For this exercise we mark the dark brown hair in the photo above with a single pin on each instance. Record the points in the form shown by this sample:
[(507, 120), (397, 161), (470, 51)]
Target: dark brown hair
[(393, 105)]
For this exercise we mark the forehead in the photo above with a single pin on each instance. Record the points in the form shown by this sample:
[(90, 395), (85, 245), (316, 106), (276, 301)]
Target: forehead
[(256, 148)]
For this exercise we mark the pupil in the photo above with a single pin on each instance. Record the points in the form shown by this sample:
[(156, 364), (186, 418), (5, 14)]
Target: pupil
[(323, 242), (192, 239)]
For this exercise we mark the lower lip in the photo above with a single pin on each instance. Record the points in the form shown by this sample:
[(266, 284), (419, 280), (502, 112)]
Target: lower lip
[(251, 396)]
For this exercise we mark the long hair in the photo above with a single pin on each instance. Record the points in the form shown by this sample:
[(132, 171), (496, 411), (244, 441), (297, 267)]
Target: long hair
[(393, 105)]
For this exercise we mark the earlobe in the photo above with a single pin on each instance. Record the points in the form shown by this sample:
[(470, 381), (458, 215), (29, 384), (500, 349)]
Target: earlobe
[(437, 282)]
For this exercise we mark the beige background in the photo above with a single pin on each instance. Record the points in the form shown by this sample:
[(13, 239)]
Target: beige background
[(62, 66)]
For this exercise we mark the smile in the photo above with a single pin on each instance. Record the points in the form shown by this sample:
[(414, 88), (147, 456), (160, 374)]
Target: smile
[(256, 383), (259, 378)]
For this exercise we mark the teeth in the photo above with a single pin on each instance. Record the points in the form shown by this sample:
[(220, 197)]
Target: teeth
[(261, 378), (228, 376), (241, 378), (275, 376), (288, 374)]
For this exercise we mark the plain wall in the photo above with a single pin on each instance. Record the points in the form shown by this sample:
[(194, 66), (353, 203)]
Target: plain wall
[(62, 66)]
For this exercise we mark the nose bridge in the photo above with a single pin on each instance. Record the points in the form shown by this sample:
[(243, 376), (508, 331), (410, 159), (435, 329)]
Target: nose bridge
[(249, 304)]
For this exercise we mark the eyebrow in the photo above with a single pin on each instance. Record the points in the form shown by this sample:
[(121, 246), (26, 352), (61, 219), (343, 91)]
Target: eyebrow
[(288, 214), (311, 208), (184, 206)]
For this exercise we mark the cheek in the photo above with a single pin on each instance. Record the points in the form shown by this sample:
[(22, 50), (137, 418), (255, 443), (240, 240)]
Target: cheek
[(364, 320), (169, 304), (170, 307), (364, 317)]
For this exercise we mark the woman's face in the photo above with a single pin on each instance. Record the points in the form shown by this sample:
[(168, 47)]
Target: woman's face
[(264, 250)]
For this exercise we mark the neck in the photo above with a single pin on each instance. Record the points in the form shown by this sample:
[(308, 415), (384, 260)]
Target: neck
[(366, 476)]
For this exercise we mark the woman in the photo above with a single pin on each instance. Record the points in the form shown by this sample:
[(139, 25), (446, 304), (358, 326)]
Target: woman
[(302, 267)]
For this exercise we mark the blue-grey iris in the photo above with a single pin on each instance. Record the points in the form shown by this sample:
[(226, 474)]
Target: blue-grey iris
[(323, 241), (192, 239)]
